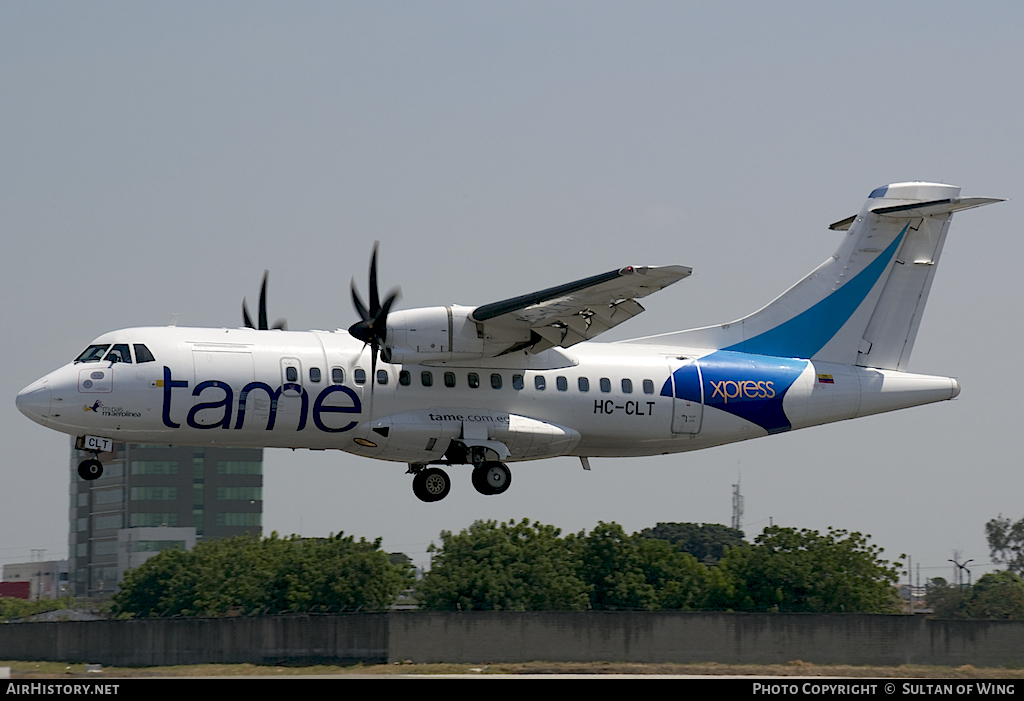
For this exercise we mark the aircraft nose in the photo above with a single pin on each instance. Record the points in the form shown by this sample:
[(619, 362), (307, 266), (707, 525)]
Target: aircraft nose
[(34, 401)]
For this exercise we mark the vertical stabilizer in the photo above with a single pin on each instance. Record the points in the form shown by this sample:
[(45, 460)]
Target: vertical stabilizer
[(863, 305)]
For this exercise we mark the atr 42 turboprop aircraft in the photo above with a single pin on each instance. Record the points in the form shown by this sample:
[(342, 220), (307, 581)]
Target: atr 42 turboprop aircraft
[(514, 380)]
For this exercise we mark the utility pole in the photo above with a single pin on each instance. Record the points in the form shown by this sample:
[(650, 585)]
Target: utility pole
[(961, 568), (737, 506)]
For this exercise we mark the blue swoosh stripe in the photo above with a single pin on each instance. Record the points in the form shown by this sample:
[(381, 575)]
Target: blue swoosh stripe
[(808, 332)]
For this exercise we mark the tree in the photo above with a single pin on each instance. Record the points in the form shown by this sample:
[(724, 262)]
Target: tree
[(614, 570), (705, 541), (805, 571), (998, 595), (529, 567), (1006, 543), (510, 566), (13, 608), (678, 580), (249, 576), (944, 599)]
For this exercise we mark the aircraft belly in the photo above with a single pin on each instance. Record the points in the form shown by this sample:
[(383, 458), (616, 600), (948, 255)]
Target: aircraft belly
[(426, 434)]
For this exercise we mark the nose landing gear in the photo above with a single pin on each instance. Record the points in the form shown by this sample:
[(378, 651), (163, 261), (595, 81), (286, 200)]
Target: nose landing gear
[(91, 469)]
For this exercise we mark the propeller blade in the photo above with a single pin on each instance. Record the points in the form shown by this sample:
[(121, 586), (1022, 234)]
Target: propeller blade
[(281, 324), (372, 327), (263, 302), (245, 316), (364, 313), (374, 297)]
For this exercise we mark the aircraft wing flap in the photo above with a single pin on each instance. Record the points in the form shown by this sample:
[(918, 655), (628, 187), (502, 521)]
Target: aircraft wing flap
[(578, 311)]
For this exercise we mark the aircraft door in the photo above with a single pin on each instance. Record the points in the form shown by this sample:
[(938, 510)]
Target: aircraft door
[(687, 399)]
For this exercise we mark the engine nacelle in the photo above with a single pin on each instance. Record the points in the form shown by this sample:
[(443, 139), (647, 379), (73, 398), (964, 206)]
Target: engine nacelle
[(442, 334)]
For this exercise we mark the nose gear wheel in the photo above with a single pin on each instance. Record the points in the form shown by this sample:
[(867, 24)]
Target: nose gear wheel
[(91, 469)]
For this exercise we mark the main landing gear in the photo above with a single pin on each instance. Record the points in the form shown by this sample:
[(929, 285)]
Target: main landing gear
[(433, 484), (492, 478), (91, 469)]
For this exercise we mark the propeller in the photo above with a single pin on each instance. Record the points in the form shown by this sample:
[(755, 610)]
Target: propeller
[(281, 323), (372, 326)]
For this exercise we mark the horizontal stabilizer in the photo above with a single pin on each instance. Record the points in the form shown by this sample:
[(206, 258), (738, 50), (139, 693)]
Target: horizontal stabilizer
[(920, 209), (933, 208)]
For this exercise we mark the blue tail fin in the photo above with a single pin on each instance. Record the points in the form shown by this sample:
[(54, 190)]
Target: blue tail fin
[(862, 306)]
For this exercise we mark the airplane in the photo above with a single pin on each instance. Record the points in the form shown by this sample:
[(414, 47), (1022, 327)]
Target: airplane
[(521, 379)]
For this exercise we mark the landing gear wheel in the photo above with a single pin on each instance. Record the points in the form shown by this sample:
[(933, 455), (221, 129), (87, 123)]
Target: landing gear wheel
[(432, 484), (492, 478), (90, 469)]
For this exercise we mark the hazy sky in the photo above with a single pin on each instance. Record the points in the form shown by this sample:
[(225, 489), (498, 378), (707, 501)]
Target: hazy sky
[(156, 157)]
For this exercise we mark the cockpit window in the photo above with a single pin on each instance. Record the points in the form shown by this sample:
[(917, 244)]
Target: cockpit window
[(142, 354), (92, 354), (119, 354)]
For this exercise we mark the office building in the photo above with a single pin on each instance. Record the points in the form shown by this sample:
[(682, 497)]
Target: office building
[(153, 497)]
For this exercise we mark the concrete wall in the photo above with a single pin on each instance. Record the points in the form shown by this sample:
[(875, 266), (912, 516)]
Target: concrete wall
[(150, 642), (480, 637), (703, 637)]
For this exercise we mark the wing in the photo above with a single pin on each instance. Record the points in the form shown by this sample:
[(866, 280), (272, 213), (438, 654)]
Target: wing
[(577, 311)]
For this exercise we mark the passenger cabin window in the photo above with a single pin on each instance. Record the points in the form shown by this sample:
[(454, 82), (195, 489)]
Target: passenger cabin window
[(382, 377), (360, 376), (606, 385), (404, 378), (119, 354), (561, 383), (517, 382), (92, 354), (539, 382), (449, 379), (495, 380), (314, 374), (426, 378), (648, 386), (584, 384), (142, 354), (627, 386), (473, 379), (338, 376), (291, 374)]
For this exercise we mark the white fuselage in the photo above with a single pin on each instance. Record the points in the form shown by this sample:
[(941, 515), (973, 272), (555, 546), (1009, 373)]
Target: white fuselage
[(243, 387)]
